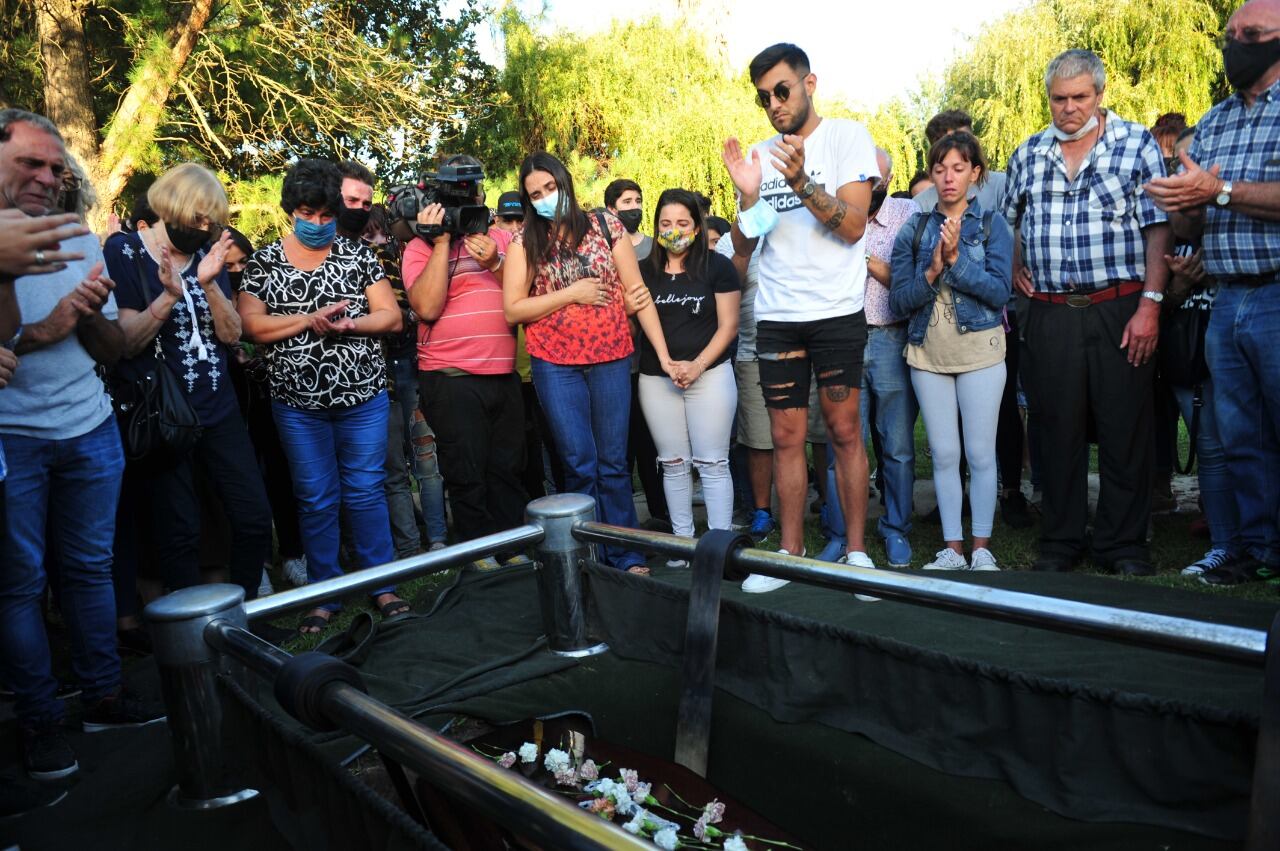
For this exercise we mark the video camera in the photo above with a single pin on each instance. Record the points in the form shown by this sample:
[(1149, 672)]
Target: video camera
[(452, 187)]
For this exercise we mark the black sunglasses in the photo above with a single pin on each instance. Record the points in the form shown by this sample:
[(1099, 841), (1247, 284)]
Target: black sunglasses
[(782, 91)]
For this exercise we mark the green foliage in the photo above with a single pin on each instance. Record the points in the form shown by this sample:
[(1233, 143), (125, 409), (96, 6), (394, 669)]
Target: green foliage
[(641, 101), (1160, 57)]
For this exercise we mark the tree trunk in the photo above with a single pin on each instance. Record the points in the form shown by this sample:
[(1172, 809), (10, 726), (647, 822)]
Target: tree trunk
[(68, 96), (133, 127)]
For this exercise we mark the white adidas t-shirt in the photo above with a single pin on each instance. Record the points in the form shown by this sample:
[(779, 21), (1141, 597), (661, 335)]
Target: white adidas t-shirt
[(806, 272)]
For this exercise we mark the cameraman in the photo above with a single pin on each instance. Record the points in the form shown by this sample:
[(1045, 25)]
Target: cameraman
[(469, 389)]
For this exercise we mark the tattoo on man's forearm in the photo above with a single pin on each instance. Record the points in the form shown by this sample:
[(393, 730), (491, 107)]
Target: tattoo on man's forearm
[(837, 217), (822, 202)]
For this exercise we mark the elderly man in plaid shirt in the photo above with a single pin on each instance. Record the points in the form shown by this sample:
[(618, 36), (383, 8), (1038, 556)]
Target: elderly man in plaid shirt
[(1228, 194), (1091, 259)]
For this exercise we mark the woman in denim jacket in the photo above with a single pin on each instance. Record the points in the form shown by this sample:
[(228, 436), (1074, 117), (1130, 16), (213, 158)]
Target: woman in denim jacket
[(952, 272)]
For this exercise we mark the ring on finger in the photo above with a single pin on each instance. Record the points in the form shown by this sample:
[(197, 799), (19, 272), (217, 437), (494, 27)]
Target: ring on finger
[(39, 257)]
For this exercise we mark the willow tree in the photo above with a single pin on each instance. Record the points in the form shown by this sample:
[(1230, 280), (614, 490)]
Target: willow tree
[(642, 100), (1160, 57), (243, 85)]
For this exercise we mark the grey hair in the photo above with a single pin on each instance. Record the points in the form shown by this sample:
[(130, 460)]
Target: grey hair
[(1075, 63), (888, 158), (11, 116)]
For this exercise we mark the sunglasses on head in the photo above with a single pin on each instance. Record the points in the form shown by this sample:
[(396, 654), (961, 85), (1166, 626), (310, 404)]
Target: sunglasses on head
[(782, 91)]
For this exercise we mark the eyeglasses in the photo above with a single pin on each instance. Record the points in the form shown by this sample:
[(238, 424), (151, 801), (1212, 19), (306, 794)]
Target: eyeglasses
[(782, 91), (1248, 35)]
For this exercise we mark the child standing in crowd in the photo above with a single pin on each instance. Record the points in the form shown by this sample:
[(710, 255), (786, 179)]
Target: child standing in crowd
[(952, 274), (690, 410)]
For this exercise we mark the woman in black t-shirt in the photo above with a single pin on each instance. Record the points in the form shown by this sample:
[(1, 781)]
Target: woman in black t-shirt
[(690, 413)]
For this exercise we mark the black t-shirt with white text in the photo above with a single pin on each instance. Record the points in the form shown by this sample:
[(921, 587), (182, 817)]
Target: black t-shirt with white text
[(687, 309)]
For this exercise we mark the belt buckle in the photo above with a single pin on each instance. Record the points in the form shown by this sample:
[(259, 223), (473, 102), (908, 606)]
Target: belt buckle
[(1078, 300)]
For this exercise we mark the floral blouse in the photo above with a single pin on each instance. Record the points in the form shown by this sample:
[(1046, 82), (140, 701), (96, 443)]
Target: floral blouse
[(581, 333)]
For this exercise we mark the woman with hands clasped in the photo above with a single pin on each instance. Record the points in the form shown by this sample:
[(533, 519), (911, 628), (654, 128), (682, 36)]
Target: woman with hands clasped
[(954, 287), (571, 279), (319, 304), (689, 406), (176, 313)]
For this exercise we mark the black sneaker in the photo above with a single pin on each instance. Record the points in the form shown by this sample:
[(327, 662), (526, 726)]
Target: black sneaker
[(19, 798), (1237, 571), (135, 640), (45, 752), (120, 710), (1013, 511), (66, 691)]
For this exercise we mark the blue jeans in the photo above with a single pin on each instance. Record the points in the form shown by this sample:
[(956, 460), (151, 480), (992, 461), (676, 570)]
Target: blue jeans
[(886, 388), (589, 411), (67, 488), (1216, 492), (336, 457), (1245, 363), (404, 372)]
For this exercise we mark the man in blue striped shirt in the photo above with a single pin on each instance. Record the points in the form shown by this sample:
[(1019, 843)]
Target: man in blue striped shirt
[(1228, 194), (1091, 260)]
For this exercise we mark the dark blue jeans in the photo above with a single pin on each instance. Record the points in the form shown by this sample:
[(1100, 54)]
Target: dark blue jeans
[(67, 488), (336, 456), (1244, 359), (589, 411)]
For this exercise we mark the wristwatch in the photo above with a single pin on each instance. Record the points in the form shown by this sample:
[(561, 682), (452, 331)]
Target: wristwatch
[(1155, 296), (1224, 194), (807, 190)]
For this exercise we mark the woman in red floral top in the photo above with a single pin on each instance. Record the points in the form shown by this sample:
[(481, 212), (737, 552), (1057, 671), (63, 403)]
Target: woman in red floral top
[(571, 279)]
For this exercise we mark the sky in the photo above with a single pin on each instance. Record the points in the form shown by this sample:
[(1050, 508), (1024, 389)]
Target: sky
[(861, 52)]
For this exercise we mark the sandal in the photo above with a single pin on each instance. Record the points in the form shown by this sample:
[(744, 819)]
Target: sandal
[(394, 608), (638, 570), (314, 624)]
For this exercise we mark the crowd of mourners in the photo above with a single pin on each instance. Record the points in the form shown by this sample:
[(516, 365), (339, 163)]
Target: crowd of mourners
[(180, 405)]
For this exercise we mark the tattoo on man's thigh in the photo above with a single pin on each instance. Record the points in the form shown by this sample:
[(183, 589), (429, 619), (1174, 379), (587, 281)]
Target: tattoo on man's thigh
[(836, 392)]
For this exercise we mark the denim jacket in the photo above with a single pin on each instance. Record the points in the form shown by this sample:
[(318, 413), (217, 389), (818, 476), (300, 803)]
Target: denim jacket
[(980, 281)]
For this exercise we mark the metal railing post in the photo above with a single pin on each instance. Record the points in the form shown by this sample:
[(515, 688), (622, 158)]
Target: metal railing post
[(560, 560), (188, 677)]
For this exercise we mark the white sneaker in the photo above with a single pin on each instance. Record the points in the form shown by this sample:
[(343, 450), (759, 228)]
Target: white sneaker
[(758, 583), (982, 559), (264, 587), (436, 545), (856, 559), (1211, 560), (295, 571), (677, 562), (949, 559)]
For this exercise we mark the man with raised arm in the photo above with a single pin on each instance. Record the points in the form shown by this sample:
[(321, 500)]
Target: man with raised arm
[(806, 192)]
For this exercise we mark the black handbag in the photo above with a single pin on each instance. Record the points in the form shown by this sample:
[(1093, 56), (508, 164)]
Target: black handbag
[(1182, 364), (156, 421), (1181, 351)]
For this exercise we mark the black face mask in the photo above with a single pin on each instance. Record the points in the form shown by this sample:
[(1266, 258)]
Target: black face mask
[(353, 219), (235, 278), (187, 240), (877, 198), (1245, 63), (630, 219)]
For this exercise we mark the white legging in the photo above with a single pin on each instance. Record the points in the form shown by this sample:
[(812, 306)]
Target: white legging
[(693, 427), (975, 396)]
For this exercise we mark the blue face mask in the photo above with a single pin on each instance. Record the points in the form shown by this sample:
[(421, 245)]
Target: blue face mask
[(313, 235), (547, 204)]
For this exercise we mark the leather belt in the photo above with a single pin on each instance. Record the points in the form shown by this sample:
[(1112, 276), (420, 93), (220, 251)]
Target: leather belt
[(1089, 299)]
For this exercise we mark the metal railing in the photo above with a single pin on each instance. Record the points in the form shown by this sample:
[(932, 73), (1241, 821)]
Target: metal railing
[(199, 631)]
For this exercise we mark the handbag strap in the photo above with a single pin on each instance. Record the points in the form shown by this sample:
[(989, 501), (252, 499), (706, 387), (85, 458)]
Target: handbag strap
[(1193, 429)]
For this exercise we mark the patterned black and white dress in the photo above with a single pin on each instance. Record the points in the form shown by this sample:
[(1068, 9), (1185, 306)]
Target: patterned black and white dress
[(310, 371), (187, 342)]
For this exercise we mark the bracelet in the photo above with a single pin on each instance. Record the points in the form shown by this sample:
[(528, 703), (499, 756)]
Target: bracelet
[(153, 313)]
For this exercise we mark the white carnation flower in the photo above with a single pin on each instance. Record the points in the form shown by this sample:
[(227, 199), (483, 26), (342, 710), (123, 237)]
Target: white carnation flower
[(528, 752), (666, 839), (556, 761), (735, 843)]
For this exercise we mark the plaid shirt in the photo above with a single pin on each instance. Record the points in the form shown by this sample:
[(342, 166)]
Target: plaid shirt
[(1084, 234), (1245, 142)]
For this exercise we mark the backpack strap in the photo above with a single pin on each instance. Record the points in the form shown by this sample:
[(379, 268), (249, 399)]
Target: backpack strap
[(604, 228), (922, 221)]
